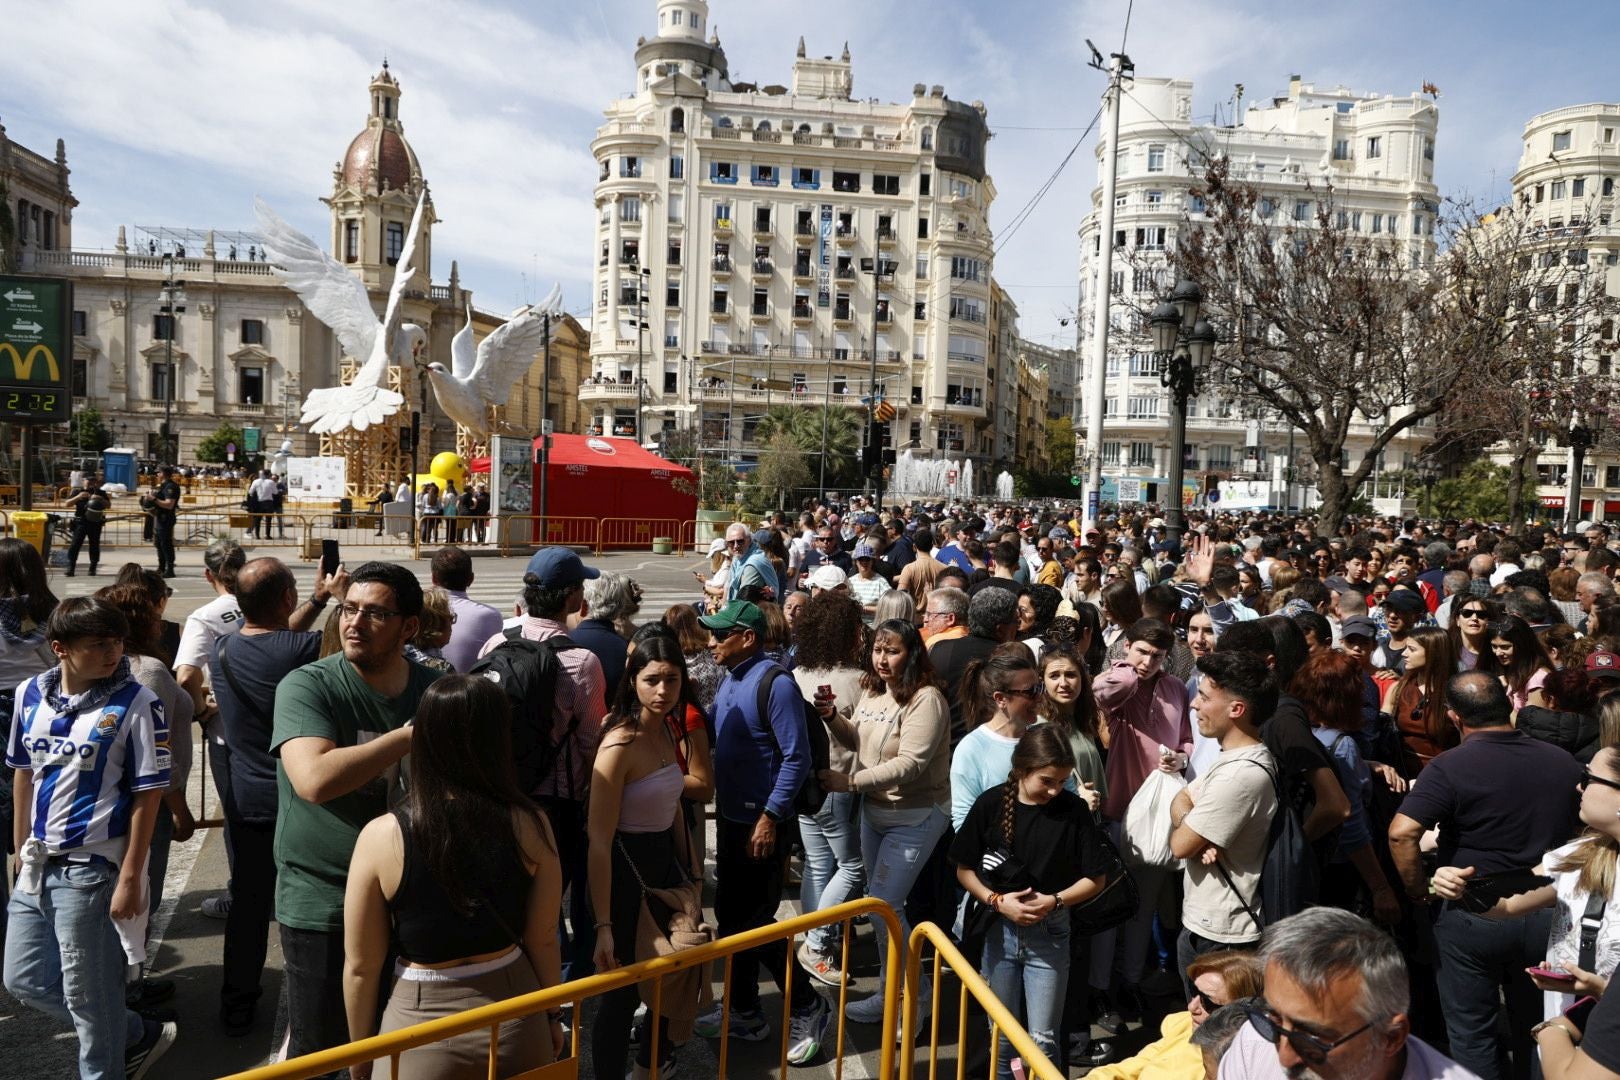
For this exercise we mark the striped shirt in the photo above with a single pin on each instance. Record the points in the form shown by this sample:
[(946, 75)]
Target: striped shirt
[(90, 754), (581, 692)]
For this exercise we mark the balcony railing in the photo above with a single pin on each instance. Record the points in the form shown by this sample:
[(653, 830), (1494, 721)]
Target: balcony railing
[(841, 313), (790, 352), (801, 311), (763, 267), (805, 228), (844, 230), (722, 265), (722, 225), (760, 311), (802, 270), (762, 226)]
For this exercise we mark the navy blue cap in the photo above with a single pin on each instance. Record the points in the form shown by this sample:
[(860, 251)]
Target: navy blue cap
[(559, 568)]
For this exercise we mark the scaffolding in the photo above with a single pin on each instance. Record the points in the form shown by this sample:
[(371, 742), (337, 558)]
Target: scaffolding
[(380, 454), (184, 243)]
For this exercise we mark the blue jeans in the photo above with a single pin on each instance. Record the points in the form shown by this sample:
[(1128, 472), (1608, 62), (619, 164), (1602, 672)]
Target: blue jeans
[(1482, 964), (832, 862), (1029, 964), (896, 845), (63, 958)]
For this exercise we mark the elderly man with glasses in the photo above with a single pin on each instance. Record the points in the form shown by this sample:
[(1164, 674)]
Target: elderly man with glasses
[(752, 575), (1335, 1006)]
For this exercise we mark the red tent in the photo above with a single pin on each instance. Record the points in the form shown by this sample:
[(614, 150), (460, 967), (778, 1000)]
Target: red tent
[(595, 477)]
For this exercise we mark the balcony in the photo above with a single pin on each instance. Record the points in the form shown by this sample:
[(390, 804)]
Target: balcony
[(603, 389), (762, 227), (722, 264), (885, 236), (884, 318), (720, 307), (841, 313), (803, 272), (803, 313), (760, 312), (844, 231), (764, 268), (844, 273), (805, 228), (722, 225)]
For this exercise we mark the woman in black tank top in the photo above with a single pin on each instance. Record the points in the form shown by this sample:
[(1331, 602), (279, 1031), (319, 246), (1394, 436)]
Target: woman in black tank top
[(474, 922)]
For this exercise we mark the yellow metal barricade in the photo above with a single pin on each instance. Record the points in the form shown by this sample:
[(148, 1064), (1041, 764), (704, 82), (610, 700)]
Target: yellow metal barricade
[(622, 533), (490, 1017), (1002, 1022), (517, 534)]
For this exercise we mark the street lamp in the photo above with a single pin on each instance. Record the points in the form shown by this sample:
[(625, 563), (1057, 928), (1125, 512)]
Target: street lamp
[(1183, 344), (1428, 471), (1582, 437)]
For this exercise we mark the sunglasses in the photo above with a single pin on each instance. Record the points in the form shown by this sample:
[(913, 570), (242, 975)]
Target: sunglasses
[(1311, 1050), (1587, 779), (1031, 693), (1204, 999), (1474, 613)]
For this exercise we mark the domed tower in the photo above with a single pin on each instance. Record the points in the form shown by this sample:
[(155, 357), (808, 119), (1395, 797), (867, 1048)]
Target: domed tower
[(685, 43), (374, 193)]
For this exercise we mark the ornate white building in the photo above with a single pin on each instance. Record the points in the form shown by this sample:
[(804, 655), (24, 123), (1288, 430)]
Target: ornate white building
[(1568, 172), (245, 350), (754, 244), (1377, 154)]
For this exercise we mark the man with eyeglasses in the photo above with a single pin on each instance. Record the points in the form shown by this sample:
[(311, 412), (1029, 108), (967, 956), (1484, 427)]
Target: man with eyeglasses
[(1335, 1007), (752, 576), (1502, 800), (339, 731)]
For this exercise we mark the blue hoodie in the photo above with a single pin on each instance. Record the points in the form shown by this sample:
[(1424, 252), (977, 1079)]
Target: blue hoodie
[(759, 763)]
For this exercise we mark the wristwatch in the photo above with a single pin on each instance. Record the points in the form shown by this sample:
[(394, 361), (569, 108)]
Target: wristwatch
[(1556, 1022), (1057, 898)]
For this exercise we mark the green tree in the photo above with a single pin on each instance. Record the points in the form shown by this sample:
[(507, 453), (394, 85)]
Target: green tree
[(87, 432), (1480, 492), (679, 446), (212, 448), (782, 468), (844, 429), (1060, 446)]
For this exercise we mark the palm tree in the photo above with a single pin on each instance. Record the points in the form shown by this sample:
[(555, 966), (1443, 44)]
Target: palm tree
[(842, 427)]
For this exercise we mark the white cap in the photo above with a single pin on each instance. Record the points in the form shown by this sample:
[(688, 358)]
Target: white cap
[(826, 576)]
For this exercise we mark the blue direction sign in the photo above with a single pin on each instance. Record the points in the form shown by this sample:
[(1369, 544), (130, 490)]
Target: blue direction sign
[(36, 349)]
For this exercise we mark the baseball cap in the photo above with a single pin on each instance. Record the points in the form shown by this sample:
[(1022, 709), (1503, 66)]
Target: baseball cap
[(1406, 602), (737, 615), (863, 551), (826, 576), (1358, 625), (1603, 664), (559, 568)]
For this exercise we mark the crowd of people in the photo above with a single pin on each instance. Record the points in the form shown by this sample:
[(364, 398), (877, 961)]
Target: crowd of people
[(1360, 793)]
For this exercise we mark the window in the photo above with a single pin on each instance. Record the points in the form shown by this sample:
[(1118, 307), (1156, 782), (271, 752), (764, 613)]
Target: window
[(1558, 189), (1560, 141), (1377, 224), (1608, 186), (1144, 365), (630, 209), (925, 184), (1268, 207), (1154, 198), (677, 121), (163, 327), (1144, 281), (922, 228), (630, 167), (1155, 157), (1428, 149), (1355, 221), (1151, 238), (967, 309), (1220, 457), (1341, 149), (677, 167), (677, 209), (765, 175), (351, 241), (1142, 408), (1110, 453), (161, 381), (920, 311), (846, 181), (1141, 454), (630, 253), (396, 242), (722, 215), (673, 258), (1110, 407), (723, 172), (927, 138), (922, 268), (250, 385), (965, 269), (252, 332), (81, 323), (672, 294), (1375, 146), (1302, 210), (602, 170), (885, 185), (721, 301), (675, 17), (807, 179), (961, 189), (81, 378), (1195, 203), (1113, 367)]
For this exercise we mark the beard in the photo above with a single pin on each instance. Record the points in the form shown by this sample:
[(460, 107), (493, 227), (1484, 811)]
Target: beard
[(1370, 1063)]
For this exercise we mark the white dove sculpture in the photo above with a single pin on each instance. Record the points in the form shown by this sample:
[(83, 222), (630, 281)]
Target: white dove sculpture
[(483, 375), (337, 298)]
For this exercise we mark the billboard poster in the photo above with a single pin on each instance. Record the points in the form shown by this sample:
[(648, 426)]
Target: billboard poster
[(317, 477), (512, 475)]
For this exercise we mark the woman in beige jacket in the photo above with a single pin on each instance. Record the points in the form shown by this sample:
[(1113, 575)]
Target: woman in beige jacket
[(900, 732)]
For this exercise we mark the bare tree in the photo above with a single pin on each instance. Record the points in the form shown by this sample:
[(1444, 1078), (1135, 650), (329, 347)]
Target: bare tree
[(1328, 326)]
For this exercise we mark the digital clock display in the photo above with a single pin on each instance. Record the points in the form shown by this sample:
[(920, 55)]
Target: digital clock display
[(21, 402)]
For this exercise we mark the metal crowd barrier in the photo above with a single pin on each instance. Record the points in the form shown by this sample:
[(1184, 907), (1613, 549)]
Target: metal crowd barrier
[(621, 533), (490, 1017)]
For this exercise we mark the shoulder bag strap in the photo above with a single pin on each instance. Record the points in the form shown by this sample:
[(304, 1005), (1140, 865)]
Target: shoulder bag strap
[(1276, 786), (249, 703), (1591, 924)]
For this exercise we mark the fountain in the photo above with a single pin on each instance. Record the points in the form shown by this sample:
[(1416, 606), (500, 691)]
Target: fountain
[(1004, 486)]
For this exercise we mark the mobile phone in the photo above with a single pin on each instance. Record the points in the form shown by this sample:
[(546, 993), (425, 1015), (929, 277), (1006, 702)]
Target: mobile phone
[(329, 557), (699, 576), (1552, 974), (1580, 1012), (825, 690)]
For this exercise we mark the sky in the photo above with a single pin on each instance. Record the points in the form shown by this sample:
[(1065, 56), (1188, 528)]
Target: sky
[(179, 112)]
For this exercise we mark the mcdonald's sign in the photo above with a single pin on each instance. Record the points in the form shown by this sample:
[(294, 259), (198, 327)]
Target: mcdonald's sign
[(36, 339)]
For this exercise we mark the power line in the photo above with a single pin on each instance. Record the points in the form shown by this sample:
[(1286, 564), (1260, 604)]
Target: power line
[(1024, 214)]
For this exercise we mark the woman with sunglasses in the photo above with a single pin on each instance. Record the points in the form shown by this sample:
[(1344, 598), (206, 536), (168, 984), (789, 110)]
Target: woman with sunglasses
[(1001, 697), (1470, 638), (1518, 660), (900, 730), (1580, 868), (1219, 979)]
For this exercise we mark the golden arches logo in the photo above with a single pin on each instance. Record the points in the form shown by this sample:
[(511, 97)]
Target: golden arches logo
[(24, 366)]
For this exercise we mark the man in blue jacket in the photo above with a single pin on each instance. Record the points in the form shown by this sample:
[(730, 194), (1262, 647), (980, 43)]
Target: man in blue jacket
[(752, 575), (760, 762)]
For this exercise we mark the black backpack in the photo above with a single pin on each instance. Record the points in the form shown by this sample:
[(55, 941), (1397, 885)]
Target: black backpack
[(1289, 878), (811, 794), (527, 673)]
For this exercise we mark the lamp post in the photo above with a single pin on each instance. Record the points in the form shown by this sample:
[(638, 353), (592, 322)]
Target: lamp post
[(1582, 437), (1183, 344), (1428, 471), (172, 297)]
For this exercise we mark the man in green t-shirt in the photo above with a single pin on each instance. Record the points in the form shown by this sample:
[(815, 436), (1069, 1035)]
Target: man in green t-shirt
[(340, 732)]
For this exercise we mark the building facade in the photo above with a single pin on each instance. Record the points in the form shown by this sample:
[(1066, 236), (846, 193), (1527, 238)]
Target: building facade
[(245, 350), (1375, 152), (1567, 175), (768, 245)]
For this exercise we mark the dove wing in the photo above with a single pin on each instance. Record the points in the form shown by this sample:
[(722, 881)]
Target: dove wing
[(333, 295), (504, 357)]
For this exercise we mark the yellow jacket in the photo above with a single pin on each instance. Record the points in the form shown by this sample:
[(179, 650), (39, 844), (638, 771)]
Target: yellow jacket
[(1173, 1057)]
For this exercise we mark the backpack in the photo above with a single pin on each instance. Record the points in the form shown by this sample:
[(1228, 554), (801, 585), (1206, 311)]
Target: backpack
[(527, 673), (1289, 876), (812, 796)]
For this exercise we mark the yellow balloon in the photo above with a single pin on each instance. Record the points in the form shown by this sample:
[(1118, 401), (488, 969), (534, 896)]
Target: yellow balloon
[(449, 466)]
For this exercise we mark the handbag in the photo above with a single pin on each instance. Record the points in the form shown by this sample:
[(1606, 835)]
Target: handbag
[(683, 994), (1145, 832), (1115, 905)]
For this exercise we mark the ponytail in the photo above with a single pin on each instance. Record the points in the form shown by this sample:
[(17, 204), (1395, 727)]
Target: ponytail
[(991, 675)]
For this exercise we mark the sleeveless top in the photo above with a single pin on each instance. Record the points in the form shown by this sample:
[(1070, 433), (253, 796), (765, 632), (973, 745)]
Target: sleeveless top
[(429, 930), (648, 805)]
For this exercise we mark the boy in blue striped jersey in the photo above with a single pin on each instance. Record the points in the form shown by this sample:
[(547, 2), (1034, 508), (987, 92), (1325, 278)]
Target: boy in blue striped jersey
[(90, 750)]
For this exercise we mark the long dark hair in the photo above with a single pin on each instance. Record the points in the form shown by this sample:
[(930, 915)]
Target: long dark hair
[(464, 787), (1528, 655), (136, 604), (993, 674), (919, 669), (1121, 602), (1083, 718), (1041, 747), (656, 647), (22, 573)]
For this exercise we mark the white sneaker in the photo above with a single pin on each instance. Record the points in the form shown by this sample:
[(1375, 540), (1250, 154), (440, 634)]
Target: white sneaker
[(868, 1010), (805, 1032)]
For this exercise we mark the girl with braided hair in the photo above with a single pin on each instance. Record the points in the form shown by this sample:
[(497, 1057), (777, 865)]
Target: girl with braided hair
[(1028, 851)]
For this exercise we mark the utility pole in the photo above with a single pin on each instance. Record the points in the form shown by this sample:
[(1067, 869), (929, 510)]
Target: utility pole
[(545, 417), (1118, 67), (172, 295)]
